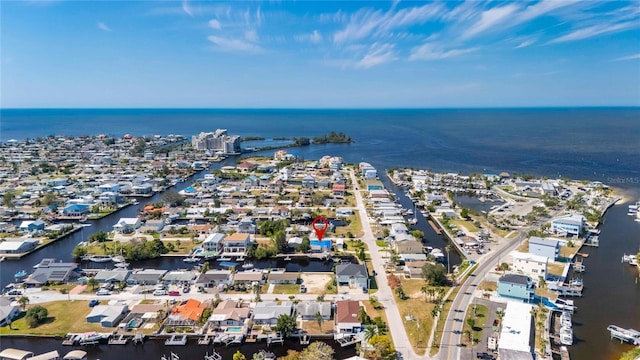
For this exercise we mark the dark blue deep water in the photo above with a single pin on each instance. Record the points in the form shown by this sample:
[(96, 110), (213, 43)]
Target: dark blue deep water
[(581, 143)]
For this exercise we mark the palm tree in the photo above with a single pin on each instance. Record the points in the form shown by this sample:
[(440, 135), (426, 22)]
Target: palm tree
[(257, 289), (448, 249), (472, 323), (23, 301), (424, 289), (319, 319), (370, 331)]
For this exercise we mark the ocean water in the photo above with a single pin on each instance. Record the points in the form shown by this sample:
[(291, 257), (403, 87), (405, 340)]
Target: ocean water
[(581, 143)]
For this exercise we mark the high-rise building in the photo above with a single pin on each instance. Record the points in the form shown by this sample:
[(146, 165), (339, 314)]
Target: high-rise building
[(218, 141)]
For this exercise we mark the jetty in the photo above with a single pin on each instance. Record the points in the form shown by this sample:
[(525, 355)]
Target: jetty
[(118, 340), (206, 340), (348, 340), (435, 227), (624, 335), (278, 338)]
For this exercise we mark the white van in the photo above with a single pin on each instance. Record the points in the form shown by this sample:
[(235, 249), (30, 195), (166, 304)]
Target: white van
[(160, 292)]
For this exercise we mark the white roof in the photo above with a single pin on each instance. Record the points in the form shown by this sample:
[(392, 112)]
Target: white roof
[(516, 327), (13, 245), (129, 221), (531, 257)]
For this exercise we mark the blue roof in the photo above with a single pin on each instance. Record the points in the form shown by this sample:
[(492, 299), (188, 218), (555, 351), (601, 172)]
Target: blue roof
[(323, 243), (77, 207)]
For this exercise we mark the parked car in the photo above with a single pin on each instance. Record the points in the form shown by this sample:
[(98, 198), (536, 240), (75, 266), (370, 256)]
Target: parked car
[(94, 302), (15, 292), (172, 293), (484, 356), (103, 292), (186, 289), (160, 292), (303, 289)]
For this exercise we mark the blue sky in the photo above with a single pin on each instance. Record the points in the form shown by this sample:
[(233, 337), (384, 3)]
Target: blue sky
[(319, 54)]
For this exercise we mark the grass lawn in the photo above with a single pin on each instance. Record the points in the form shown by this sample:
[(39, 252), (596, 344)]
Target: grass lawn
[(352, 245), (311, 326), (546, 293), (286, 289), (568, 252), (382, 243), (185, 247), (555, 268), (488, 285), (482, 313), (59, 322), (464, 224), (374, 313), (329, 288), (524, 247), (419, 327)]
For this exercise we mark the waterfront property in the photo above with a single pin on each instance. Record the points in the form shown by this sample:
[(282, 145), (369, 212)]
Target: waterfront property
[(283, 277), (267, 312), (346, 319), (18, 245), (531, 265), (515, 334), (546, 247), (236, 244), (8, 311), (107, 315), (568, 225), (516, 286), (307, 310), (49, 270), (228, 313)]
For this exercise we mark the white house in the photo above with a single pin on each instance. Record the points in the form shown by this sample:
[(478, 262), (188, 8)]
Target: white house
[(568, 225), (107, 315), (8, 312), (534, 266), (213, 242), (127, 225), (18, 245), (236, 243)]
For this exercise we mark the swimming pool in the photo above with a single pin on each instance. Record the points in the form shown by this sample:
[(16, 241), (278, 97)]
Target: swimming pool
[(234, 329), (134, 323)]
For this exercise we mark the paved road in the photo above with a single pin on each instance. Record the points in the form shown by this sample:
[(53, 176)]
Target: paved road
[(451, 337), (384, 294)]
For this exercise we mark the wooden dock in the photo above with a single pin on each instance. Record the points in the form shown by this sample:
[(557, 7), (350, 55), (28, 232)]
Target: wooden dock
[(206, 340), (435, 227), (347, 340), (176, 340)]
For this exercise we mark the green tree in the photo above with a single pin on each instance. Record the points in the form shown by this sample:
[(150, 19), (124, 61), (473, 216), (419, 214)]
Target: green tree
[(305, 245), (472, 323), (79, 251), (464, 213), (99, 236), (238, 356), (23, 301), (286, 325), (172, 198), (205, 267), (418, 234), (319, 319), (317, 350), (434, 274), (92, 283), (7, 199), (36, 315), (382, 348), (280, 241)]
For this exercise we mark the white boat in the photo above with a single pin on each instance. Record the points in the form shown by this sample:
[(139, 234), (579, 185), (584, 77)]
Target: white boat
[(566, 336), (122, 265), (118, 259), (90, 337), (629, 335), (247, 265), (191, 259), (100, 258), (223, 258), (409, 212)]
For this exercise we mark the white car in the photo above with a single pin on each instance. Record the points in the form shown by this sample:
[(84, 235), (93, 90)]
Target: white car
[(159, 292), (103, 292)]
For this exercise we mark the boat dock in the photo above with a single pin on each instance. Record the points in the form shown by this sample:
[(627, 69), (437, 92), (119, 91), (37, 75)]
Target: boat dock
[(348, 340), (435, 227), (275, 339), (206, 340), (176, 340), (624, 335), (118, 340)]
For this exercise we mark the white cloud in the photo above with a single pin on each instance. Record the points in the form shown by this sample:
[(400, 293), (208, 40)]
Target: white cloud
[(525, 43), (186, 8), (490, 18), (378, 54), (102, 26), (430, 51), (595, 30), (315, 37), (215, 24), (541, 8), (234, 45), (630, 57), (367, 22)]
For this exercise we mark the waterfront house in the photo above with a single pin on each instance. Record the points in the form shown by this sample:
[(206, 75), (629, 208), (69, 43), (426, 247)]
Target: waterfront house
[(8, 312), (112, 276), (516, 286), (18, 245), (179, 277), (268, 312), (346, 319), (142, 189), (283, 277), (352, 275), (229, 313), (308, 182), (307, 310), (146, 277), (531, 265), (213, 242), (249, 277), (546, 247), (320, 245), (76, 210), (107, 315), (408, 246), (236, 244), (50, 271), (189, 311), (114, 188), (568, 225), (32, 225), (515, 336), (127, 225), (213, 278)]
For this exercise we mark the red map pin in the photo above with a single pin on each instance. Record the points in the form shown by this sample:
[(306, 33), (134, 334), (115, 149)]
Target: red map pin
[(320, 232)]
